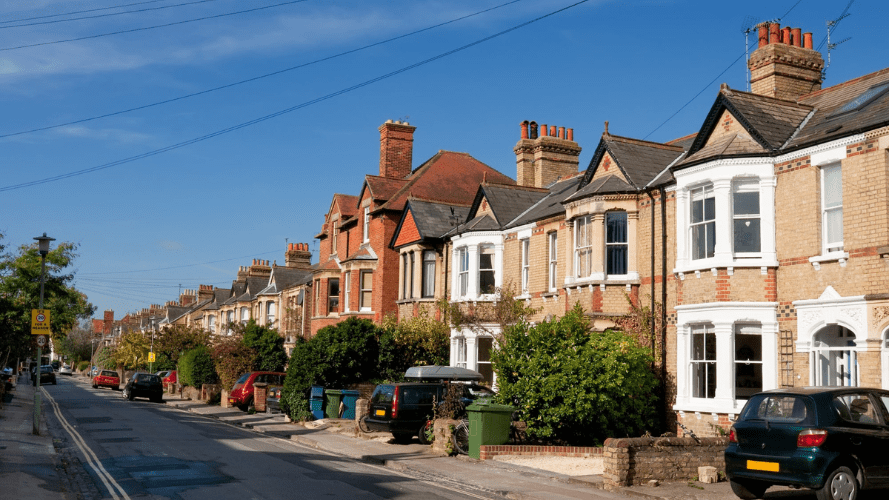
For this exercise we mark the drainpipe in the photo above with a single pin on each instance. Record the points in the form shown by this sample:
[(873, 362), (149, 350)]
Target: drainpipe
[(653, 334), (663, 194)]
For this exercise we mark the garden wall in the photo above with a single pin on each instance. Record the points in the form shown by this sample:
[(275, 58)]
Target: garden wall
[(490, 451), (630, 461)]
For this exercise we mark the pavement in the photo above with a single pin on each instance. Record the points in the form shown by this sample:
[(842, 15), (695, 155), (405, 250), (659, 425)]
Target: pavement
[(30, 466)]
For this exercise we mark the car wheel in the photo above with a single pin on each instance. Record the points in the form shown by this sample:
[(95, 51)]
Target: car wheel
[(130, 395), (157, 399), (402, 437), (841, 484), (425, 435), (95, 386), (749, 490)]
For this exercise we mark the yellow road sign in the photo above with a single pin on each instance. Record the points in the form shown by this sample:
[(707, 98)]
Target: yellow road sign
[(40, 322), (151, 357)]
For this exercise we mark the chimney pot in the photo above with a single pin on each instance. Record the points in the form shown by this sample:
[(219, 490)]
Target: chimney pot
[(561, 132), (774, 33), (570, 134), (763, 35), (797, 34), (807, 40), (533, 131), (552, 130), (525, 129), (543, 130), (785, 35)]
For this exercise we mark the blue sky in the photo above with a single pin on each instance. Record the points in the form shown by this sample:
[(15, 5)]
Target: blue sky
[(192, 215)]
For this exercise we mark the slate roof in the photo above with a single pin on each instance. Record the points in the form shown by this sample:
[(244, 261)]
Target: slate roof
[(287, 277), (447, 177), (481, 223), (507, 202), (433, 220), (639, 161), (551, 204), (238, 288), (822, 126), (176, 312), (734, 145)]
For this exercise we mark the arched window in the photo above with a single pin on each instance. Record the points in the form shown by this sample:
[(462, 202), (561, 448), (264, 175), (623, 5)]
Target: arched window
[(834, 357)]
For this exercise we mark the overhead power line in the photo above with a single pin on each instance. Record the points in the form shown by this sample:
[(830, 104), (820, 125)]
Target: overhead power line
[(79, 11), (291, 109), (260, 77), (216, 16), (147, 9), (178, 267)]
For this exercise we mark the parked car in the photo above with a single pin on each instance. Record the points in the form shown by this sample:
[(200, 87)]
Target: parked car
[(107, 378), (144, 385), (829, 439), (168, 377), (47, 375), (241, 394), (66, 370)]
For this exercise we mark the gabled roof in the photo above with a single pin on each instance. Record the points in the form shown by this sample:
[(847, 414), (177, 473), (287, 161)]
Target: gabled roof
[(447, 177), (829, 122), (481, 223), (430, 220), (639, 161), (610, 184), (735, 145), (551, 204), (506, 202), (288, 277), (381, 188), (770, 122), (238, 288)]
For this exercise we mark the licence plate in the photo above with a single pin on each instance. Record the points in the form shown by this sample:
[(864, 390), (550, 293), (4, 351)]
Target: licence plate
[(381, 412), (766, 466)]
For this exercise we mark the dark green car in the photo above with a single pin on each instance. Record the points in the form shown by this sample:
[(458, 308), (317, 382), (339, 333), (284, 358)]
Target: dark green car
[(144, 385), (833, 440)]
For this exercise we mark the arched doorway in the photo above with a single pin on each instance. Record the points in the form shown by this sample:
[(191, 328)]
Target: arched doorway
[(834, 357)]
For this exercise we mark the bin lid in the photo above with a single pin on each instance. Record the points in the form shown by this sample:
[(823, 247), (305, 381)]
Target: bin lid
[(484, 406), (334, 391), (349, 392), (436, 372)]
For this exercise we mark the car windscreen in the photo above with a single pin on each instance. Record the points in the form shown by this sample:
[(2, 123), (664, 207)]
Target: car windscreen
[(109, 374), (382, 394), (243, 378), (779, 408)]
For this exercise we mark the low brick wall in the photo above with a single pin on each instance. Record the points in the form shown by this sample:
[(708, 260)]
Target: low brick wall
[(630, 461), (491, 451)]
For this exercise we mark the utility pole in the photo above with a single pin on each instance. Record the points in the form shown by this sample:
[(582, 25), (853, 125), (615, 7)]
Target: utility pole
[(41, 317)]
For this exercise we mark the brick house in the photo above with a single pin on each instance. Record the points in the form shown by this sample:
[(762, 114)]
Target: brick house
[(359, 273), (780, 233)]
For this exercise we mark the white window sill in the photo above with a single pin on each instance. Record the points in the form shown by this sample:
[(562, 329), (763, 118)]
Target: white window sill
[(709, 406), (687, 267), (840, 257)]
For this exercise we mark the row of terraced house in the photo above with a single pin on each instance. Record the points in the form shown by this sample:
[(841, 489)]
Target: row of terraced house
[(762, 239)]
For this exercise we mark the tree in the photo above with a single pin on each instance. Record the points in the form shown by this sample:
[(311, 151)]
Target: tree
[(20, 293), (573, 385), (267, 345), (232, 358), (172, 342), (418, 341), (77, 344), (196, 367), (131, 350)]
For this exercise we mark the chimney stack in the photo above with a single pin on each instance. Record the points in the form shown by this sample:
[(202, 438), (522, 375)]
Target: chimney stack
[(205, 292), (396, 149), (298, 256), (540, 160), (107, 322), (187, 297), (784, 65)]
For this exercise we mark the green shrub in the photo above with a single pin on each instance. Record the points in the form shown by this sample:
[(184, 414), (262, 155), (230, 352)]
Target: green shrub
[(573, 385), (418, 341), (297, 406), (268, 346), (83, 365), (196, 367)]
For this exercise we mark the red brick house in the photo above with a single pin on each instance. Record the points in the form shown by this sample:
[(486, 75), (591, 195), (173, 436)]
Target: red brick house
[(358, 270)]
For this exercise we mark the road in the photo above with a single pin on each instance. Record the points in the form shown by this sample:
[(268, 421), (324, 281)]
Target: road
[(119, 449)]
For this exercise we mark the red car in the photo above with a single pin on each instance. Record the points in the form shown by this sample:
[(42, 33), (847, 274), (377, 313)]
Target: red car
[(242, 393), (107, 378), (168, 377)]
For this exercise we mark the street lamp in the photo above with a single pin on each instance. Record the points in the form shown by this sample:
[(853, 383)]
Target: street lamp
[(43, 248)]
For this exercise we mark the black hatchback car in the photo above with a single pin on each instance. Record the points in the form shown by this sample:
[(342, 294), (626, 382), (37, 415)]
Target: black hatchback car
[(144, 385), (47, 375), (829, 439)]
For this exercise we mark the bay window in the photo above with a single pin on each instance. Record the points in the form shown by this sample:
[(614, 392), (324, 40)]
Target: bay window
[(347, 289), (463, 273), (211, 323), (269, 313), (703, 223), (616, 243), (333, 295), (406, 271), (486, 279)]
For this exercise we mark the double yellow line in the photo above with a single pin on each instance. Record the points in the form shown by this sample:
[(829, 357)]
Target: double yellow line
[(91, 457)]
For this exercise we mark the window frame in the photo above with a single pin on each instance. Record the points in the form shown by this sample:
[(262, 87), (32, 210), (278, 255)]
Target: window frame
[(486, 249), (333, 307), (428, 276), (463, 271), (365, 304), (334, 233), (366, 226), (346, 290), (625, 245), (695, 365), (583, 252), (752, 329), (245, 315), (270, 312), (707, 193), (738, 188), (526, 264), (211, 323), (552, 240), (827, 246)]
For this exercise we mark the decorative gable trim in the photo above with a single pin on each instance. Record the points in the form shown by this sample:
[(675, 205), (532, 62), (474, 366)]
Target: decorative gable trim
[(722, 104)]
